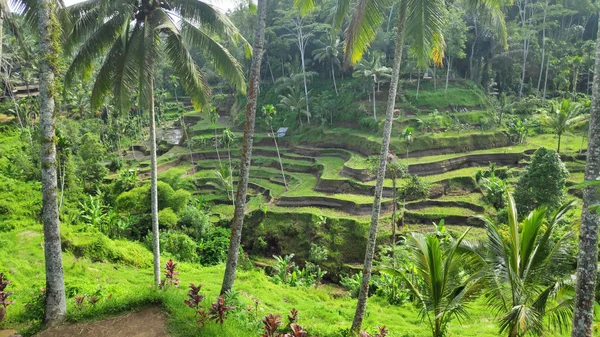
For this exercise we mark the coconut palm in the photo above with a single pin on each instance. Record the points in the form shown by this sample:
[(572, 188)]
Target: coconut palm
[(375, 71), (246, 156), (421, 22), (269, 112), (129, 34), (214, 120), (228, 139), (56, 303), (563, 117), (521, 272), (440, 290), (587, 261), (294, 101), (329, 52)]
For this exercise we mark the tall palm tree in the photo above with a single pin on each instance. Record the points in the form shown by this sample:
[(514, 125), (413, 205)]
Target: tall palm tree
[(294, 102), (330, 52), (516, 272), (56, 303), (128, 33), (563, 117), (228, 139), (269, 112), (587, 261), (240, 198), (421, 21), (375, 71), (441, 293)]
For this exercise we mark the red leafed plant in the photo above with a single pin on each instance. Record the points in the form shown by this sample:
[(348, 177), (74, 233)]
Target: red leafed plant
[(93, 300), (383, 332), (218, 310), (194, 296), (293, 316), (3, 296), (80, 300), (270, 324), (297, 331), (170, 275)]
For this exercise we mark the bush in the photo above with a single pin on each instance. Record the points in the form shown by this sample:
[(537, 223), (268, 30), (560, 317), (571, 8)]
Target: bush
[(542, 183), (212, 249), (181, 246), (194, 222), (167, 218)]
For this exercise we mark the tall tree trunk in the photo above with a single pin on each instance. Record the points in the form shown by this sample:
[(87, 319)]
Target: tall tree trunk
[(363, 294), (476, 37), (230, 175), (217, 145), (543, 50), (56, 303), (305, 81), (583, 317), (394, 206), (374, 103), (546, 79), (279, 157), (523, 66), (449, 61), (558, 147), (154, 184), (240, 204), (418, 83), (333, 77)]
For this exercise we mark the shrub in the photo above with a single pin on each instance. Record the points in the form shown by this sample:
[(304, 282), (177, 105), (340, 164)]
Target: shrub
[(167, 218), (4, 302), (542, 183), (181, 246), (194, 222), (212, 249)]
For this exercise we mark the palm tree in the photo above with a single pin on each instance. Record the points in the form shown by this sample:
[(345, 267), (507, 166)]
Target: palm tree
[(330, 52), (587, 261), (269, 112), (228, 139), (375, 71), (294, 102), (129, 33), (214, 120), (407, 135), (422, 23), (56, 303), (563, 117), (395, 170), (519, 272), (242, 191), (440, 291)]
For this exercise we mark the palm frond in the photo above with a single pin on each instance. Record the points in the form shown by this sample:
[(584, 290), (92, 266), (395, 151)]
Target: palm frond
[(219, 56), (367, 17), (424, 28), (305, 6)]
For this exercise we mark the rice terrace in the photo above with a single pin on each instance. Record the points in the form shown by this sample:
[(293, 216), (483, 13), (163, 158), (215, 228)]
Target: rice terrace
[(299, 168)]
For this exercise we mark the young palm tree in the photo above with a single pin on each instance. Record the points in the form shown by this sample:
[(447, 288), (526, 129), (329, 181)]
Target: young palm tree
[(407, 135), (395, 170), (587, 261), (246, 157), (517, 272), (563, 117), (441, 292), (375, 71), (228, 139), (294, 101), (269, 112), (129, 33), (330, 52)]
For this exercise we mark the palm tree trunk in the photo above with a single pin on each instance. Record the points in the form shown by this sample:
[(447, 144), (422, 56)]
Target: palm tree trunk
[(385, 143), (558, 147), (543, 49), (279, 156), (230, 174), (447, 75), (217, 145), (394, 204), (240, 204), (334, 82), (56, 303), (546, 79), (418, 83), (583, 317), (374, 103), (154, 185)]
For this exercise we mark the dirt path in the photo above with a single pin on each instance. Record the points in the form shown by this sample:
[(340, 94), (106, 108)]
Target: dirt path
[(149, 322)]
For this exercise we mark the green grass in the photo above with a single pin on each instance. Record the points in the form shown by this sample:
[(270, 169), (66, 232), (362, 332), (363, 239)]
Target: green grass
[(322, 311)]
